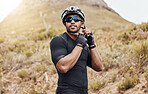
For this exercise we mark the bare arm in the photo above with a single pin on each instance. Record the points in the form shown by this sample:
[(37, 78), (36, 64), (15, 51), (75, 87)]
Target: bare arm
[(67, 62), (96, 60)]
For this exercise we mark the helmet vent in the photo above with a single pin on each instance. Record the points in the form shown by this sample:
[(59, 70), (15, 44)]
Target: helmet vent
[(71, 8)]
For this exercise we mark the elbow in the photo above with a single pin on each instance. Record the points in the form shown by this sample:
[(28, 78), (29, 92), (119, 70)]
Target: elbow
[(62, 69), (100, 69)]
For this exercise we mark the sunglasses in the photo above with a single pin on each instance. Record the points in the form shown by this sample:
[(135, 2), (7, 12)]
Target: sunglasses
[(76, 19)]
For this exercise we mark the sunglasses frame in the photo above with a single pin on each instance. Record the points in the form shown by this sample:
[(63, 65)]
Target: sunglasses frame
[(76, 19)]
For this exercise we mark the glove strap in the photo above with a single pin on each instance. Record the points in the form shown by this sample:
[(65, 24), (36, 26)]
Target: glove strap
[(91, 47), (80, 45)]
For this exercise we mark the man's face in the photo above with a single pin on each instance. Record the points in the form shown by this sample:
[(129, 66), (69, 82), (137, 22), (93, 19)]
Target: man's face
[(73, 26)]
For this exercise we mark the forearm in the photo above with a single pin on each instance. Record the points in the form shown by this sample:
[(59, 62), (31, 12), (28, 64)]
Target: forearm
[(66, 63), (96, 60)]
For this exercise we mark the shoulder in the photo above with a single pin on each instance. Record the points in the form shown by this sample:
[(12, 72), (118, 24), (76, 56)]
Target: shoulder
[(58, 39)]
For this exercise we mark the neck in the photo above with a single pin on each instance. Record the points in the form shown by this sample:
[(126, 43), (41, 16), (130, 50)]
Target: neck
[(74, 37)]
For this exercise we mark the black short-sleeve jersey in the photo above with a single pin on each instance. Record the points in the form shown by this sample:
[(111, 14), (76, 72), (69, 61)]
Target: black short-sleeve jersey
[(63, 45)]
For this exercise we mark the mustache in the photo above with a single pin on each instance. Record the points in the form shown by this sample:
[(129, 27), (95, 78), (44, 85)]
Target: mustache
[(73, 25)]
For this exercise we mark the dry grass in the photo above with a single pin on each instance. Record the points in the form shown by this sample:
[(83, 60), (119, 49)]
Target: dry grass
[(122, 54), (33, 56)]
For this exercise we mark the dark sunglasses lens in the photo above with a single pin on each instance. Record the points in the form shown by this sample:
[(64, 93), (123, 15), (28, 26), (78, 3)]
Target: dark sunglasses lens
[(72, 18), (69, 19), (75, 19)]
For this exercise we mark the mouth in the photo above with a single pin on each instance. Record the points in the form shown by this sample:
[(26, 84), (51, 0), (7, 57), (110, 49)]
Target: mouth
[(73, 26)]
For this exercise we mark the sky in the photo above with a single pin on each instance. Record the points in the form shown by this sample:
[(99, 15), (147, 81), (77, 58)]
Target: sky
[(6, 6), (135, 11)]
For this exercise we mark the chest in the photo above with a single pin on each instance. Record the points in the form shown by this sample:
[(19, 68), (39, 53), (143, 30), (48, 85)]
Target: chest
[(84, 54)]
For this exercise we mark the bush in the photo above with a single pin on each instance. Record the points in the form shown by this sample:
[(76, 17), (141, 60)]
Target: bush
[(41, 34), (114, 76), (143, 27), (128, 82), (29, 54), (53, 70), (138, 32), (124, 36), (1, 59), (23, 45), (34, 77), (146, 74), (33, 91), (41, 67), (140, 51), (2, 40), (96, 85), (109, 62), (22, 74), (1, 75)]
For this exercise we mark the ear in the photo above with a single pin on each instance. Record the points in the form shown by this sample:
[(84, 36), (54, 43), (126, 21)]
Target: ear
[(64, 24), (82, 24)]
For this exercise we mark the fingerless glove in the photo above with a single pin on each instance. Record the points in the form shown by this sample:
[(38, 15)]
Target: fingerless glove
[(81, 40)]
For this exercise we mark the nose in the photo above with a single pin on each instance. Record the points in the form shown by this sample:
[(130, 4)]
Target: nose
[(72, 21)]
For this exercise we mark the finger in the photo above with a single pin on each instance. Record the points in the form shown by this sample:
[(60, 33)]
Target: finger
[(87, 32), (83, 30)]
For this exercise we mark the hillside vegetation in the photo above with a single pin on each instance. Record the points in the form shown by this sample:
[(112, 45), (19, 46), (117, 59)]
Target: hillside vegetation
[(29, 15), (25, 61)]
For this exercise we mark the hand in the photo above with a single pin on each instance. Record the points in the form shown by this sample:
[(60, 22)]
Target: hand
[(90, 37), (81, 40)]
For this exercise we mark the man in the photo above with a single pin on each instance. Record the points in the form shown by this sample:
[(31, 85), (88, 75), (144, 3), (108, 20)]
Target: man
[(71, 55)]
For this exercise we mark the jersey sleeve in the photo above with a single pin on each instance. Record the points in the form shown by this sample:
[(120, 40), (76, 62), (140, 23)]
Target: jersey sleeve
[(89, 60), (58, 49)]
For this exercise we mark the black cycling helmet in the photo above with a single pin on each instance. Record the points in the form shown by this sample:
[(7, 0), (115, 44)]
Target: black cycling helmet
[(72, 10)]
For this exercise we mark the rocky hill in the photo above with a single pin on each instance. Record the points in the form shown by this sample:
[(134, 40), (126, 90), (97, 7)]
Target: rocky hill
[(27, 16), (25, 61)]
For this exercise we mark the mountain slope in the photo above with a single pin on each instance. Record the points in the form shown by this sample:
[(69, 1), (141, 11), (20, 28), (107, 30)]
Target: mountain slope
[(26, 17)]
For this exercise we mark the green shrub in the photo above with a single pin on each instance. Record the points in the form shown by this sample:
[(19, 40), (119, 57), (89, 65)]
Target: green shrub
[(29, 54), (40, 30), (22, 45), (140, 51), (42, 34), (146, 74), (128, 82), (124, 36), (34, 77), (96, 85), (19, 46), (53, 70), (1, 73), (143, 27), (1, 59), (2, 40), (41, 67), (22, 74), (33, 91), (138, 32), (109, 63), (114, 76)]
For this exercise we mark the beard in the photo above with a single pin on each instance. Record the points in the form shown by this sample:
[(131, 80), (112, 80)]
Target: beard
[(73, 32), (73, 29)]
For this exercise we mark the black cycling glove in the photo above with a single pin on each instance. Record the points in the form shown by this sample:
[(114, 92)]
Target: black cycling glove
[(90, 41), (81, 40)]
